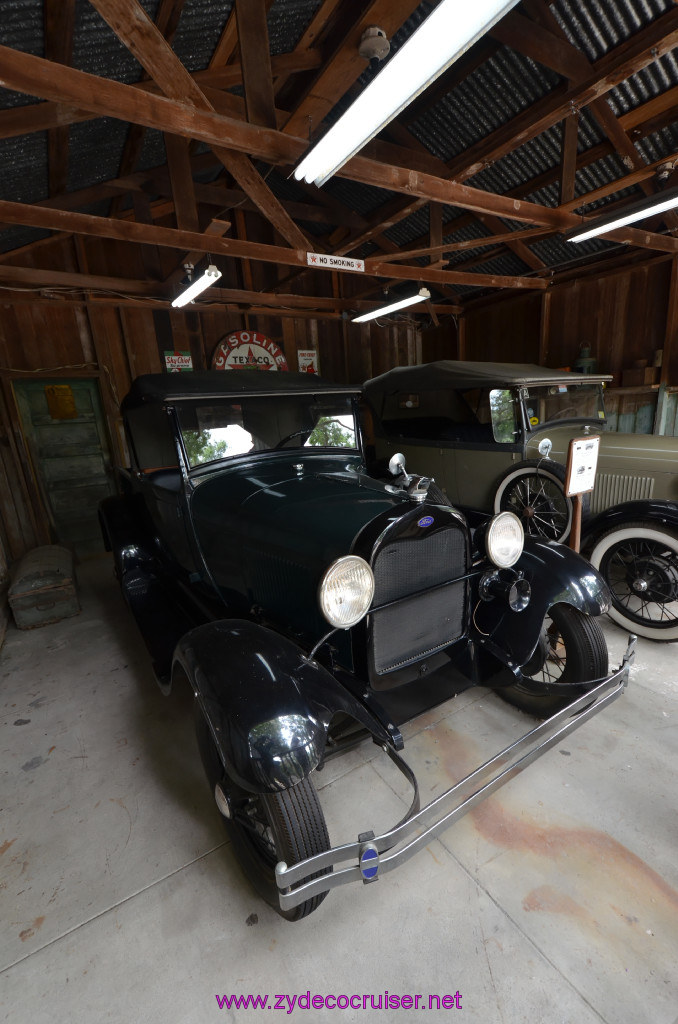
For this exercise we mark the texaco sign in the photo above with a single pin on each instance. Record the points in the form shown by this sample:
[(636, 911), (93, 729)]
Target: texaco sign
[(248, 350)]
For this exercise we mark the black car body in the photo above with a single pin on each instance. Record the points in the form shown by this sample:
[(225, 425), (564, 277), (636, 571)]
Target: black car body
[(308, 604)]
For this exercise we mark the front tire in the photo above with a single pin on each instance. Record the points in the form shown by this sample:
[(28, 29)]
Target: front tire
[(639, 563), (535, 492), (265, 828), (571, 652)]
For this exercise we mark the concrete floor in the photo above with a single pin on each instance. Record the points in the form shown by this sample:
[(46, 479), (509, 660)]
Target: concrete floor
[(555, 901)]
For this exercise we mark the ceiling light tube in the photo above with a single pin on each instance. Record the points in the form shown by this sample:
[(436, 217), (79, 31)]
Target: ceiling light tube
[(422, 295), (645, 208), (450, 29), (210, 276)]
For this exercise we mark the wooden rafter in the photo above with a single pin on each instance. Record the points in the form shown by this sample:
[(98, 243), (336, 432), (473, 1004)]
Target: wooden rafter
[(134, 28), (256, 61), (59, 21), (26, 72), (190, 108), (642, 49), (345, 65), (172, 238)]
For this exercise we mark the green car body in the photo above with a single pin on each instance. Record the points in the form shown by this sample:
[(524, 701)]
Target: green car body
[(496, 436)]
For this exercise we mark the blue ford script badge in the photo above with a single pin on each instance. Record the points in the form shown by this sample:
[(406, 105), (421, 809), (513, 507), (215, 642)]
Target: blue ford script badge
[(425, 521)]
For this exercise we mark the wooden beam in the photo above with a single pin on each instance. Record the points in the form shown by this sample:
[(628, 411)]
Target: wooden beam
[(57, 285), (642, 49), (654, 41), (35, 276), (218, 228), (26, 72), (144, 234), (59, 21), (445, 247), (309, 39), (568, 156), (135, 29), (183, 192), (346, 65), (671, 330), (539, 44), (256, 61), (166, 21)]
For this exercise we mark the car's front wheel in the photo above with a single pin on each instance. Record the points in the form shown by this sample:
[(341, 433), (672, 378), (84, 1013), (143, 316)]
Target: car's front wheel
[(571, 652), (639, 562), (265, 828)]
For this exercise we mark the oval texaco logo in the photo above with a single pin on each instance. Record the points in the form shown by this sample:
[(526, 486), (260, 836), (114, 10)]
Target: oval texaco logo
[(248, 350)]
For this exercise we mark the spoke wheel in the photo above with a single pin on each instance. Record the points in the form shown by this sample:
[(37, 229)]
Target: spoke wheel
[(639, 563), (265, 828), (535, 492), (571, 652)]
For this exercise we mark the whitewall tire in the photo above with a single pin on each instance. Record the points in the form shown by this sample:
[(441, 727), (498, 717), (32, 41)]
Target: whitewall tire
[(639, 562)]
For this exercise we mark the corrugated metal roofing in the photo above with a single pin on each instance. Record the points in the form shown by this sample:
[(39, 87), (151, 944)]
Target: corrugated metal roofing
[(495, 92)]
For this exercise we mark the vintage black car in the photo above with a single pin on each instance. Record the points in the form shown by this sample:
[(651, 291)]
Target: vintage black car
[(309, 605)]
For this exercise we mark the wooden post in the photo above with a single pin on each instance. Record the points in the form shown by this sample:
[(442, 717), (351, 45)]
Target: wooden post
[(575, 530)]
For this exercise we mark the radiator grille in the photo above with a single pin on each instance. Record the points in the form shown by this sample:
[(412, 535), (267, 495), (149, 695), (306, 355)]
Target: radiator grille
[(612, 488), (418, 625)]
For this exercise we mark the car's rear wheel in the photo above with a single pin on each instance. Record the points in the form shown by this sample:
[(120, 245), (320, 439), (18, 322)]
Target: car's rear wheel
[(535, 492), (265, 828), (639, 562), (571, 653)]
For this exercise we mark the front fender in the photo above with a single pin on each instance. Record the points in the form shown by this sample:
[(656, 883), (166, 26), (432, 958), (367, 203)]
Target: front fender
[(557, 575), (657, 511), (267, 705)]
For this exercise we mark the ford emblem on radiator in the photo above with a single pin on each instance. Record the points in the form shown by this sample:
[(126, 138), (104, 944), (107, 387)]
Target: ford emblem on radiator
[(425, 521)]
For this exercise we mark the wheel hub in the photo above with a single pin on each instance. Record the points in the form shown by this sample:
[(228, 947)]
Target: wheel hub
[(655, 578)]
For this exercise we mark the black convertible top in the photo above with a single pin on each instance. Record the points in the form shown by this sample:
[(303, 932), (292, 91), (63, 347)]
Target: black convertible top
[(456, 373), (169, 387)]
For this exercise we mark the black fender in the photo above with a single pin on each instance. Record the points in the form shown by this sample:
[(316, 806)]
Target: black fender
[(267, 704), (658, 511), (557, 575), (123, 528)]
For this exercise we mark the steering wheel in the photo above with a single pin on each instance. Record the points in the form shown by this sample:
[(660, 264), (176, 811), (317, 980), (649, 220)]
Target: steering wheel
[(305, 433)]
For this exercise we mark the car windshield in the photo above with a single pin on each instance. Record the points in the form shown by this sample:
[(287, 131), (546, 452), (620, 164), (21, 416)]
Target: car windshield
[(554, 402), (214, 429)]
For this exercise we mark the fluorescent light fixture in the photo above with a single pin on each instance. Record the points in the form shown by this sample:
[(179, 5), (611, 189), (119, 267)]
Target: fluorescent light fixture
[(210, 276), (450, 29), (422, 295), (645, 208)]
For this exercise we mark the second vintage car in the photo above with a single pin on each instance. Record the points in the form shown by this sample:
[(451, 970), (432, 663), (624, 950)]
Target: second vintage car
[(308, 605), (495, 436)]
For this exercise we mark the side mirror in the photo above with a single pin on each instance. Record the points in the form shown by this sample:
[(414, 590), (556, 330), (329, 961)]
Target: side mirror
[(396, 466)]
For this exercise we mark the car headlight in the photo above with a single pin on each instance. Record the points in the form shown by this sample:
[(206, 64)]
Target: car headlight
[(346, 591), (504, 540)]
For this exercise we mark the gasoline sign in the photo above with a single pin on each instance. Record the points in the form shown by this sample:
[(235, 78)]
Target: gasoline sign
[(248, 350)]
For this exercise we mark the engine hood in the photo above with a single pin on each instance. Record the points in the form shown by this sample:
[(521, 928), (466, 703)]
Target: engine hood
[(271, 527), (623, 455)]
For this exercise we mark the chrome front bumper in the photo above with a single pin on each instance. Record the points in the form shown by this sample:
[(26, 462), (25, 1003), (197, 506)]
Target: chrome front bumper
[(373, 856)]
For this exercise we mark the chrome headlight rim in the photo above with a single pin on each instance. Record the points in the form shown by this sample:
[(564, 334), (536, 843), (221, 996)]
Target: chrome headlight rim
[(328, 592), (499, 523)]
